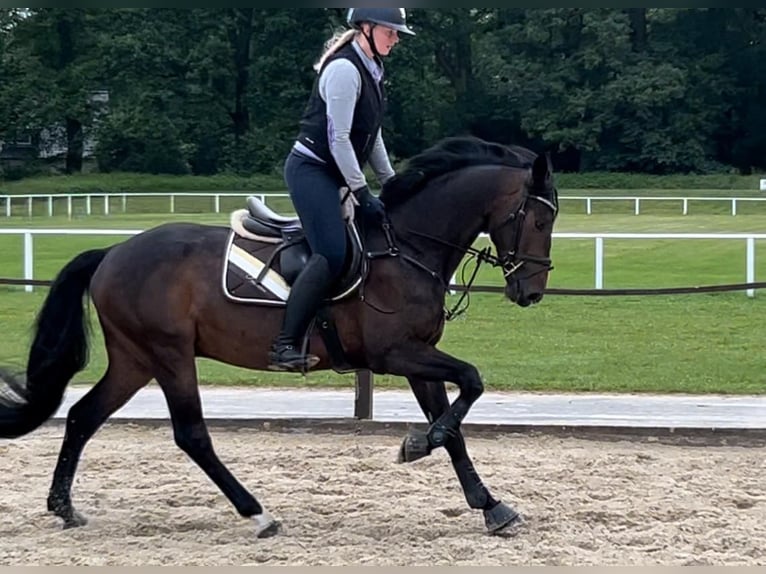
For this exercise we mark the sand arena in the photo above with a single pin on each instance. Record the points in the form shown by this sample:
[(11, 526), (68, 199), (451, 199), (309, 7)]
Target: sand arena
[(342, 499)]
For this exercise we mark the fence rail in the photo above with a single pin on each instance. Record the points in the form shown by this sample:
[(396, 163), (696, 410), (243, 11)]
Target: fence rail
[(599, 239), (734, 202), (106, 201)]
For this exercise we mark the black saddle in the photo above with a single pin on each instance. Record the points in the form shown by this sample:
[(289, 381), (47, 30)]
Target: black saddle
[(263, 221), (293, 250)]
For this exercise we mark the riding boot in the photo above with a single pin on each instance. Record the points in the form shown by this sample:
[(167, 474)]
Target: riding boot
[(306, 295)]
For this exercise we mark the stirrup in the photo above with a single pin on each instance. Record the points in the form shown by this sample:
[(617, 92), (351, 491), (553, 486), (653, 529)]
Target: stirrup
[(288, 358)]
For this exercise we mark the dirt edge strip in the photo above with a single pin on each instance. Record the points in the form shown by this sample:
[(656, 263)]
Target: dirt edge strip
[(685, 436)]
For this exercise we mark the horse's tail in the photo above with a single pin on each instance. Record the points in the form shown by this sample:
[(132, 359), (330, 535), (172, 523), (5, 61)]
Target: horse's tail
[(59, 350)]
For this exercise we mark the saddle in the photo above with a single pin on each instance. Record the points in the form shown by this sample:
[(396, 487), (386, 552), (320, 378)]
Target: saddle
[(267, 251)]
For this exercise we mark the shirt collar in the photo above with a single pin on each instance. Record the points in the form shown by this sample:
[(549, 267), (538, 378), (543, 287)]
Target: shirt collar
[(373, 65)]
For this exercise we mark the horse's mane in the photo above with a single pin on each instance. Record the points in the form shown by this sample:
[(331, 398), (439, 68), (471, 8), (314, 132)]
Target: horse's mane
[(449, 155)]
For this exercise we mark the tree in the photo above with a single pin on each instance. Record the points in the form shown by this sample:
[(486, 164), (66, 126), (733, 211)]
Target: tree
[(742, 134), (208, 90), (59, 75)]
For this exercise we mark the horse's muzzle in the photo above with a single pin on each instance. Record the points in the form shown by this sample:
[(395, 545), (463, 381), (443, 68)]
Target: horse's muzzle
[(520, 293)]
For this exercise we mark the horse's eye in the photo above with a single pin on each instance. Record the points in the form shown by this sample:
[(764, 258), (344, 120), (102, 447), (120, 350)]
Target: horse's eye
[(540, 225)]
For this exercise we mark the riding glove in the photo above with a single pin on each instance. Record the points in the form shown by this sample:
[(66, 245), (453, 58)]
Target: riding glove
[(371, 207)]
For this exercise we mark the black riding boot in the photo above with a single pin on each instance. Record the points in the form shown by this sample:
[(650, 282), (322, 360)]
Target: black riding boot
[(306, 295)]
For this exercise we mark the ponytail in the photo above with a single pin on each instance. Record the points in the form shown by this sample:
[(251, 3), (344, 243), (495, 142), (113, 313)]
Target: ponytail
[(334, 44)]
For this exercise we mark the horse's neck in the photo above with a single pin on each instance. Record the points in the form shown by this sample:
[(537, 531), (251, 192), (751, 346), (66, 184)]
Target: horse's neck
[(452, 218)]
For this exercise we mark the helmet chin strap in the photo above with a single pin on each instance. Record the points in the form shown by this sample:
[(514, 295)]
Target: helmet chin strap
[(371, 41)]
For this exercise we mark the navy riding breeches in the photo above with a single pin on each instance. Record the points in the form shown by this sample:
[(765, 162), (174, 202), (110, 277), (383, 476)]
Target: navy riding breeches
[(315, 192)]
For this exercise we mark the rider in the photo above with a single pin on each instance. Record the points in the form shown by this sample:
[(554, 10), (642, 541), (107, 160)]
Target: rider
[(340, 132)]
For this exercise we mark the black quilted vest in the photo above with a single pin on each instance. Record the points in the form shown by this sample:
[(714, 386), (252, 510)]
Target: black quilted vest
[(368, 114)]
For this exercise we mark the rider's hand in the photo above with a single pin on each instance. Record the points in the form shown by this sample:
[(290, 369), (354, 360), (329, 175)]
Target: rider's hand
[(371, 207)]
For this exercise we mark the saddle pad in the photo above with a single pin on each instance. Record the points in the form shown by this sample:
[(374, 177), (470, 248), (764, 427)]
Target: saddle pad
[(245, 261)]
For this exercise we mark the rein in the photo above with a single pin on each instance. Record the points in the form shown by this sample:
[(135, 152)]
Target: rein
[(483, 255), (479, 255)]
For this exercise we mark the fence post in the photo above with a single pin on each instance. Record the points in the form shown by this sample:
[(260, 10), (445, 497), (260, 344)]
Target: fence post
[(363, 400), (217, 203), (8, 206), (599, 262), (638, 206), (29, 263), (589, 206), (751, 265), (686, 206), (50, 206), (734, 207)]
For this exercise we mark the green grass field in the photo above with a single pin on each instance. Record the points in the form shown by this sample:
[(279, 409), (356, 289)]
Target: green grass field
[(95, 182), (690, 344)]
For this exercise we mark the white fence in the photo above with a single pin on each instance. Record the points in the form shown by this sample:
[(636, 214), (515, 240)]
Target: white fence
[(599, 238), (107, 201), (734, 202)]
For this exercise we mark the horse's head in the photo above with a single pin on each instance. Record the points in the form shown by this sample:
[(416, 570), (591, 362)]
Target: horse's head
[(523, 239)]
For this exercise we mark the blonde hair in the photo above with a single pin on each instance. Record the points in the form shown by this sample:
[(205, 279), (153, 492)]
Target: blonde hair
[(339, 39)]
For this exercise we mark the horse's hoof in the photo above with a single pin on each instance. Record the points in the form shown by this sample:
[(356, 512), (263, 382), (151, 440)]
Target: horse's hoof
[(414, 447), (74, 520), (266, 526), (500, 517), (271, 530)]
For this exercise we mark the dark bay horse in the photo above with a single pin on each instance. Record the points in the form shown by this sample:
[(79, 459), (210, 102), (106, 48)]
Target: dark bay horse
[(160, 304)]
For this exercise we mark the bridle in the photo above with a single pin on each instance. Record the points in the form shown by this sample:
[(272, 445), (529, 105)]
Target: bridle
[(511, 262)]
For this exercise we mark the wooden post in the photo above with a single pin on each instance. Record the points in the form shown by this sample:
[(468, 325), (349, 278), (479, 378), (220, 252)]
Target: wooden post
[(363, 400)]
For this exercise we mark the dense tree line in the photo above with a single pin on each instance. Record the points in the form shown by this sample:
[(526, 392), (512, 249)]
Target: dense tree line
[(203, 91)]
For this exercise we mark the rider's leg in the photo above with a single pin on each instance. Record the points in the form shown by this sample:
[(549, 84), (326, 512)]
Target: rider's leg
[(315, 195), (306, 295)]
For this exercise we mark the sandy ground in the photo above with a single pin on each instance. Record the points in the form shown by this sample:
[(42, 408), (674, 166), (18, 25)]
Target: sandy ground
[(343, 500)]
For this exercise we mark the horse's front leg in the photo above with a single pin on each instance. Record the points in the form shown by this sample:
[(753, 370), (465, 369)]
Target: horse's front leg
[(422, 361), (422, 365), (433, 400)]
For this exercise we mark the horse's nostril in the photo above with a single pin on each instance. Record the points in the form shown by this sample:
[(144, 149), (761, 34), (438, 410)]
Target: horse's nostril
[(535, 297)]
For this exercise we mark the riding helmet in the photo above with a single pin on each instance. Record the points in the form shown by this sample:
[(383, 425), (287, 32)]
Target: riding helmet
[(395, 18)]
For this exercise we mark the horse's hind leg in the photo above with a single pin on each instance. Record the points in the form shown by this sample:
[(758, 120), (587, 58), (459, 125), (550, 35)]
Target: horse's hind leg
[(433, 400), (123, 378), (177, 376)]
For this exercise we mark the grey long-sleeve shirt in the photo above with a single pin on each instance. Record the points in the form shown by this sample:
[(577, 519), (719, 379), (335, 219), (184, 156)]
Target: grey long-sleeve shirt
[(340, 86)]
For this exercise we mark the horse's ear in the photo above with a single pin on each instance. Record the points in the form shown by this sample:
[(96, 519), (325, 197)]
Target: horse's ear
[(541, 170)]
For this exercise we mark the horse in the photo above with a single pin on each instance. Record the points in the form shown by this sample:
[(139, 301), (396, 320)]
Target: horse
[(160, 303)]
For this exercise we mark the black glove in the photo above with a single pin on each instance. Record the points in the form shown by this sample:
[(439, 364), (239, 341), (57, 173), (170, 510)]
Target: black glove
[(371, 208)]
